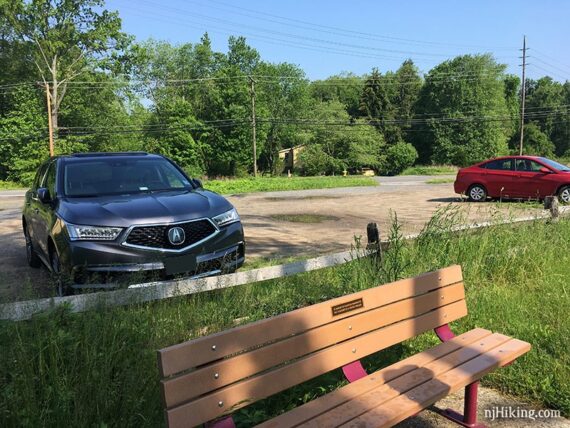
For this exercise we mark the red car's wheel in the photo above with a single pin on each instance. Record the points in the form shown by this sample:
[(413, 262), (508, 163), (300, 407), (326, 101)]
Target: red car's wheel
[(477, 193), (564, 194)]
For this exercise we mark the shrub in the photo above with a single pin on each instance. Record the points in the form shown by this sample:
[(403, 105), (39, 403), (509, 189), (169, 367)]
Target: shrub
[(400, 156), (314, 161)]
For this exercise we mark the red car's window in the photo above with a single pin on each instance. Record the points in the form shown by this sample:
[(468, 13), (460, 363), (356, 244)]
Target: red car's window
[(528, 165), (500, 164)]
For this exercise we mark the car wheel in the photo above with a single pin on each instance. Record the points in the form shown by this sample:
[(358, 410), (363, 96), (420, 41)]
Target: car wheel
[(564, 195), (58, 274), (477, 193), (31, 255)]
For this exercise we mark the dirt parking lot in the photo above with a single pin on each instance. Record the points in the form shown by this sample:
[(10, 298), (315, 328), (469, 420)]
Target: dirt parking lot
[(270, 222)]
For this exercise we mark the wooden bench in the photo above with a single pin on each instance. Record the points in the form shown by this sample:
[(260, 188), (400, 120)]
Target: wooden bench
[(206, 379)]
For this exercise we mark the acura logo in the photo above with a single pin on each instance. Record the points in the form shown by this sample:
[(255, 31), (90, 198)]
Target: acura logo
[(176, 236)]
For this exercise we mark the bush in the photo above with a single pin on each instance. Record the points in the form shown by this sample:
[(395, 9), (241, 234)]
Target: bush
[(314, 161), (400, 156)]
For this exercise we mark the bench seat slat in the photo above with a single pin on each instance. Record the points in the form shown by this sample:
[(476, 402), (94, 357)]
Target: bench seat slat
[(233, 369), (250, 390), (405, 405), (401, 385), (177, 358), (383, 376)]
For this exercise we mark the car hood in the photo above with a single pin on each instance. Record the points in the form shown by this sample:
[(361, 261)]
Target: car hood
[(147, 208)]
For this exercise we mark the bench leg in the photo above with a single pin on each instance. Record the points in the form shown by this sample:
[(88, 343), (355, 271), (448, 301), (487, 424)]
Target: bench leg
[(354, 371), (469, 417), (226, 422)]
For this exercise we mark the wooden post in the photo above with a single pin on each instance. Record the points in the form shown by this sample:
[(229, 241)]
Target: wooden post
[(50, 125), (373, 235)]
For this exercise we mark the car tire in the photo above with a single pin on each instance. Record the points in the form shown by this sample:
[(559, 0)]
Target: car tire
[(57, 273), (477, 193), (564, 195), (31, 255)]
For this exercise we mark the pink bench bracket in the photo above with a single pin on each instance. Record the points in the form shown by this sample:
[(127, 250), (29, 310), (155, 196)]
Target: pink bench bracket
[(469, 417), (354, 371)]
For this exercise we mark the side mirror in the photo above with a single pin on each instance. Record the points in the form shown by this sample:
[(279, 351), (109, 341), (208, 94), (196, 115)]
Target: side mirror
[(544, 170), (197, 183), (43, 195)]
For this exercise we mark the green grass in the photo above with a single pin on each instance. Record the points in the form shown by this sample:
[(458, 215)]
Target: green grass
[(10, 185), (272, 184), (303, 218), (430, 170), (99, 368), (440, 180)]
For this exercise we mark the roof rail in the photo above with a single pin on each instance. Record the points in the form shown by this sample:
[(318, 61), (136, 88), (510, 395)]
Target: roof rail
[(94, 154)]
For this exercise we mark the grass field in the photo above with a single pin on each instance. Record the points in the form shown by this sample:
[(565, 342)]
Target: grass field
[(440, 180), (99, 368), (430, 170), (9, 185), (272, 184)]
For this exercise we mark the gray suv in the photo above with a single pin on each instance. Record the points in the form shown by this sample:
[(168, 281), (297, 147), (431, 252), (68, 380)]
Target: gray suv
[(127, 212)]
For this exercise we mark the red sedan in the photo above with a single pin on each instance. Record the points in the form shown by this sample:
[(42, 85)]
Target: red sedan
[(514, 177)]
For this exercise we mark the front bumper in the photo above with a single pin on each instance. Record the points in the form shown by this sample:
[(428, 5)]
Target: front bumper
[(223, 252)]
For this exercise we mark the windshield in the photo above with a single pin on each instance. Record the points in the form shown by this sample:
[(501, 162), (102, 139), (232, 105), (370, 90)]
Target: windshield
[(554, 164), (115, 176)]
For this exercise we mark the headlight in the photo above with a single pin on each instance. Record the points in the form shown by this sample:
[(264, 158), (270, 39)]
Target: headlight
[(228, 217), (94, 233)]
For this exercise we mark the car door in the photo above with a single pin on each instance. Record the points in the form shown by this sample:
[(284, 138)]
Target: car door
[(498, 177), (529, 182), (33, 204), (45, 212)]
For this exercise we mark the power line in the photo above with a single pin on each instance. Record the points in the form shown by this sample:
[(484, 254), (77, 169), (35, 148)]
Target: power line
[(337, 30)]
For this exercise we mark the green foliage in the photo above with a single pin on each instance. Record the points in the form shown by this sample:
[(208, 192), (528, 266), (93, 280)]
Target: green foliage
[(99, 367), (400, 156), (345, 88), (471, 91), (177, 141), (334, 146), (313, 160), (535, 142), (430, 170), (546, 95), (273, 184)]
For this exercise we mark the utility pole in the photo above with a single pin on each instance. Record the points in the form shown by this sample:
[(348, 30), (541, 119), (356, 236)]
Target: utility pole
[(50, 125), (523, 94), (252, 82)]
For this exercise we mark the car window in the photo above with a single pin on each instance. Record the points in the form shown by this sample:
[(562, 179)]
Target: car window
[(113, 176), (500, 164), (173, 179), (39, 175), (528, 165), (49, 179)]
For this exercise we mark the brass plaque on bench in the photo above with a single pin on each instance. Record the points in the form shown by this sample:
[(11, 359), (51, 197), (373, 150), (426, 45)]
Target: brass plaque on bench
[(347, 307)]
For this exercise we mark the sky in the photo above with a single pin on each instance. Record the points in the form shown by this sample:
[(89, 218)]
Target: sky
[(327, 37)]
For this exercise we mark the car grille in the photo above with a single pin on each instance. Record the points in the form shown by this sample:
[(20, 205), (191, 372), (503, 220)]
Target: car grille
[(157, 236)]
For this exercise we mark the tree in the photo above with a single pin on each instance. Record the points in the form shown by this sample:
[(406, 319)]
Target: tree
[(546, 107), (346, 144), (399, 157), (176, 138), (345, 87), (282, 97), (408, 83), (535, 142), (464, 109), (66, 36)]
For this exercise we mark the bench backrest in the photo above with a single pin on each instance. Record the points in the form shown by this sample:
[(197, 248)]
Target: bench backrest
[(214, 375)]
